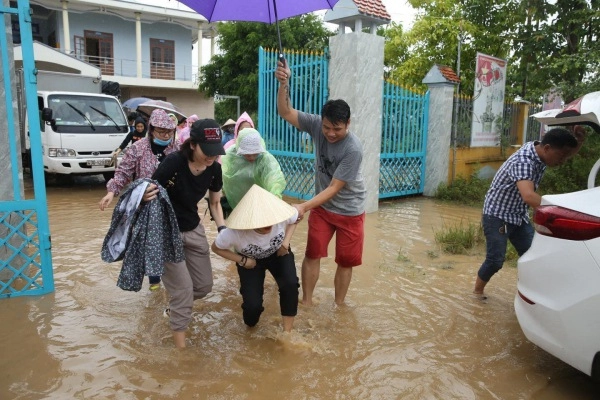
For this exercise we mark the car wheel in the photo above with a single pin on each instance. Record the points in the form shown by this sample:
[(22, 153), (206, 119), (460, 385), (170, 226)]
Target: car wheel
[(596, 368)]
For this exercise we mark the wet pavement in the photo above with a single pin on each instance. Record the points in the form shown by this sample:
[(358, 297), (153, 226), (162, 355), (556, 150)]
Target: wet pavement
[(410, 330)]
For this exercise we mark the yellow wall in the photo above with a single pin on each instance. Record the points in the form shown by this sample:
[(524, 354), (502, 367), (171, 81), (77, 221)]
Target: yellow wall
[(469, 160)]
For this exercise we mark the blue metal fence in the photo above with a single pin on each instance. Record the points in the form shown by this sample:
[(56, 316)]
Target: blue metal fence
[(25, 257), (403, 141), (308, 92), (404, 130)]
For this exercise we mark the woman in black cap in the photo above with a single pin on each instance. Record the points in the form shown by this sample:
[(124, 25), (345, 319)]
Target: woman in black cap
[(187, 175)]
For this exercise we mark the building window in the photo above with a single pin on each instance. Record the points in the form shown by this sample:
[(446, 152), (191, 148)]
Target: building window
[(162, 61), (79, 47), (98, 49)]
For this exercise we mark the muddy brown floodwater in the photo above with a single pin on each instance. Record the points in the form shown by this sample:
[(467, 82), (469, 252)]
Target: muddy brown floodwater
[(410, 330)]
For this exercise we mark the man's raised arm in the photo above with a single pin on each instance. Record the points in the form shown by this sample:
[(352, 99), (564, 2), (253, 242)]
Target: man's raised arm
[(284, 103)]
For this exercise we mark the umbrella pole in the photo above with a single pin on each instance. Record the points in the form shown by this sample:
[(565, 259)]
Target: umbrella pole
[(281, 58)]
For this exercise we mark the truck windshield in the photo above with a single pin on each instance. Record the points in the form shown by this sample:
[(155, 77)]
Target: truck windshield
[(86, 114)]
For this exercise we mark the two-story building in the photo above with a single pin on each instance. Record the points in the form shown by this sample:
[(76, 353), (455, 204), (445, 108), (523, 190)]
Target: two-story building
[(146, 48)]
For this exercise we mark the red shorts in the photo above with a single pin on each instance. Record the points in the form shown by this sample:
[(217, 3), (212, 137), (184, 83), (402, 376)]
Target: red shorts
[(349, 238)]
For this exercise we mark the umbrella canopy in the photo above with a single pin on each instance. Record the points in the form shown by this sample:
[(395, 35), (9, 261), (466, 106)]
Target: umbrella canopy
[(132, 103), (150, 105), (582, 111), (267, 11)]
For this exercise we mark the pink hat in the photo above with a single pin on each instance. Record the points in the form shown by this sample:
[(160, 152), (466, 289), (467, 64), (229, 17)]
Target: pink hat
[(160, 119), (191, 119), (243, 118)]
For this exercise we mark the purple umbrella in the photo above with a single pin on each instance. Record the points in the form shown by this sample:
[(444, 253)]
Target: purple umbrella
[(268, 11)]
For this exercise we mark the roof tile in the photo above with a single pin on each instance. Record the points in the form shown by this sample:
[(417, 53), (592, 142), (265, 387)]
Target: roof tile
[(448, 73), (374, 8)]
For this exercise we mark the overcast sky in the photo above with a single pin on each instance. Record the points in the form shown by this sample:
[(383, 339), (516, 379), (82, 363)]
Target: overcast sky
[(400, 11)]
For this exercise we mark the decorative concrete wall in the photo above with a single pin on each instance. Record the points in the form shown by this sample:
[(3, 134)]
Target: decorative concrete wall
[(439, 134), (356, 76)]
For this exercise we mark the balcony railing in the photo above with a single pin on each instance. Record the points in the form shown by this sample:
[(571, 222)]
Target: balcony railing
[(150, 70)]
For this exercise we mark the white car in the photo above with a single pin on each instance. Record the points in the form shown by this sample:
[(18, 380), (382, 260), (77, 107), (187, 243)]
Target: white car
[(558, 297)]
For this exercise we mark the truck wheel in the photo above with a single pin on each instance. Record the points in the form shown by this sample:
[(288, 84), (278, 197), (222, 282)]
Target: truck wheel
[(58, 179), (108, 175), (596, 368)]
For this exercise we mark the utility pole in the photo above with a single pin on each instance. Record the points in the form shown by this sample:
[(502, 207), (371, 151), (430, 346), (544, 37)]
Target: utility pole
[(224, 96)]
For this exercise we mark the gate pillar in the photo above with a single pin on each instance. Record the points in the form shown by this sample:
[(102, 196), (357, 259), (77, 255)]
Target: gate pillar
[(356, 76), (441, 81)]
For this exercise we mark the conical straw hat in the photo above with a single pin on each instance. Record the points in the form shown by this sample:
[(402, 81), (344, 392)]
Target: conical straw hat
[(228, 123), (257, 209)]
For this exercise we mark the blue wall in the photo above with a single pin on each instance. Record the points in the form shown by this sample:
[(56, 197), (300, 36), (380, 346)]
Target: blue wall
[(124, 37)]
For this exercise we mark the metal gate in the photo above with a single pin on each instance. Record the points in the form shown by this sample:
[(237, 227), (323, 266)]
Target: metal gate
[(404, 128), (26, 262), (308, 92), (403, 141)]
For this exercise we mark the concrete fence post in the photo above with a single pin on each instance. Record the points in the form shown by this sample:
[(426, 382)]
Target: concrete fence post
[(441, 82), (356, 76)]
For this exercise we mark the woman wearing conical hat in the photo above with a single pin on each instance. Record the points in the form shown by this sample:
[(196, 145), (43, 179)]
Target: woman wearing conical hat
[(257, 239)]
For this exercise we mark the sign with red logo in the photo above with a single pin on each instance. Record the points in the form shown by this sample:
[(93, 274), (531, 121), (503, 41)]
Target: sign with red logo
[(488, 101)]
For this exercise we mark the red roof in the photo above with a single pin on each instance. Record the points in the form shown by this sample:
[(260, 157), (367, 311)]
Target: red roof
[(373, 8), (448, 73)]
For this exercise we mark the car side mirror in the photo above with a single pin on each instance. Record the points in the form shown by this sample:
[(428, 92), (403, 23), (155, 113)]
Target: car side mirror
[(47, 114)]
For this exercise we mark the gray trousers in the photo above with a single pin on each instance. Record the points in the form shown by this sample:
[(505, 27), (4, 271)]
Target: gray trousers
[(188, 280)]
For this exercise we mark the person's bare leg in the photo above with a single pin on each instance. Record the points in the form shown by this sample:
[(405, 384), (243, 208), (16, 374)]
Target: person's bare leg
[(343, 276), (310, 275), (479, 286), (179, 339), (288, 323)]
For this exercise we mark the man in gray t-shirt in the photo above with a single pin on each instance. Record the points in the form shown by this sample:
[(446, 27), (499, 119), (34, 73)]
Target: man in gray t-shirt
[(339, 203)]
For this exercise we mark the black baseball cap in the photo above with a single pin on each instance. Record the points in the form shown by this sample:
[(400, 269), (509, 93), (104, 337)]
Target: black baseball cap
[(207, 133)]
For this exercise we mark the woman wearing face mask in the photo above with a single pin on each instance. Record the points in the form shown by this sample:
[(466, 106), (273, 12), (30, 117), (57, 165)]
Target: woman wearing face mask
[(142, 159)]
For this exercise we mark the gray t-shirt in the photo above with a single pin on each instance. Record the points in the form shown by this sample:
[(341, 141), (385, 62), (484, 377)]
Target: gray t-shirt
[(341, 160)]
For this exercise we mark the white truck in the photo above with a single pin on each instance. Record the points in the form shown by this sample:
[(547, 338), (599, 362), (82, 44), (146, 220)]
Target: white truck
[(80, 126)]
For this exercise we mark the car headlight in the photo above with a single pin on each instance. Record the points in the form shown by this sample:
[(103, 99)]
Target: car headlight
[(53, 152)]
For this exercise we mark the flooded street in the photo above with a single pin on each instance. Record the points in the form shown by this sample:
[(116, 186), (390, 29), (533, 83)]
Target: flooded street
[(410, 330)]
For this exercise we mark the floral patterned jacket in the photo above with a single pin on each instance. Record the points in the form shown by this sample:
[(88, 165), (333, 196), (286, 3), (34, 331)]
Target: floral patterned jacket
[(137, 163), (135, 232)]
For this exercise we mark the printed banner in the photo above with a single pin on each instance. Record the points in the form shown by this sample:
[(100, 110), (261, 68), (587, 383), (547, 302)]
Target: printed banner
[(552, 100), (488, 101)]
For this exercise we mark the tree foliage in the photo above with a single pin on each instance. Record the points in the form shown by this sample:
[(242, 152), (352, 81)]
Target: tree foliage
[(548, 43), (234, 71)]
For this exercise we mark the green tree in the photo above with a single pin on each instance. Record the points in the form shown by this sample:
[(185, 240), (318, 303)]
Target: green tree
[(235, 70), (547, 43), (396, 49)]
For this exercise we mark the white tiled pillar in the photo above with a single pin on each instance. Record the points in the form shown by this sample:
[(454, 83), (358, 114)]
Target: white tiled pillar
[(439, 132), (356, 76), (138, 44), (200, 34), (65, 20)]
